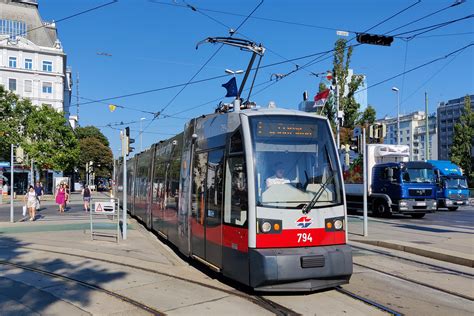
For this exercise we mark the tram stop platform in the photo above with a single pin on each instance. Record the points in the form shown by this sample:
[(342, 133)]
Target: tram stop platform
[(51, 266)]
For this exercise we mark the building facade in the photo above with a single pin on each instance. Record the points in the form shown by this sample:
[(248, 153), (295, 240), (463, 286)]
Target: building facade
[(448, 115), (413, 134), (32, 59)]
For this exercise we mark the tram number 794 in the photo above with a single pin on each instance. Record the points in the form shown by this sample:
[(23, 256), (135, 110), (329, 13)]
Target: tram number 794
[(305, 237)]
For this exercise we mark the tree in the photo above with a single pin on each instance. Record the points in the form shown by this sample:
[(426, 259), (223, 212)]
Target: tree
[(328, 110), (368, 116), (49, 139), (91, 131), (463, 139), (92, 149), (346, 86)]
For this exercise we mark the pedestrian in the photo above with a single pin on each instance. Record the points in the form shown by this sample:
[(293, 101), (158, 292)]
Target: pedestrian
[(66, 198), (31, 202), (86, 196), (39, 194), (61, 197)]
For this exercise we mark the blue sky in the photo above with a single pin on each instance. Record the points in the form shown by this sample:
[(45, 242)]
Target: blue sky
[(152, 45)]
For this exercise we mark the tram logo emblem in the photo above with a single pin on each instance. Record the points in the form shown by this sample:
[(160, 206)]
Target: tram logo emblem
[(304, 222)]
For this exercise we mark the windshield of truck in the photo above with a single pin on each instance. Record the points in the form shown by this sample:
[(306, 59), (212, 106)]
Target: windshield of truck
[(295, 159), (455, 183), (417, 175)]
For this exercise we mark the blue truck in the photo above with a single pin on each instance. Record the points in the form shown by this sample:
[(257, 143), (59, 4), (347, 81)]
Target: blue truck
[(395, 185), (452, 190)]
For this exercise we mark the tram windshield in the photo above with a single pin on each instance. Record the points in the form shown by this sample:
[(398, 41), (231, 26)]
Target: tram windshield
[(294, 161)]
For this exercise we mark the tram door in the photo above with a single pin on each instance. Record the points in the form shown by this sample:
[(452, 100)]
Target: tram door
[(206, 217)]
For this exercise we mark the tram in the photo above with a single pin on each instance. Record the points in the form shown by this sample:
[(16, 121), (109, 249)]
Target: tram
[(255, 194)]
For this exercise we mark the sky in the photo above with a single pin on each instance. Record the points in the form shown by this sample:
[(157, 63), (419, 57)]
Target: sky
[(132, 46)]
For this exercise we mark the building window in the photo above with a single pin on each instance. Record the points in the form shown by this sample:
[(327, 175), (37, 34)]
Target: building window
[(12, 84), (47, 66), (28, 63), (47, 87), (13, 28), (28, 86), (12, 62)]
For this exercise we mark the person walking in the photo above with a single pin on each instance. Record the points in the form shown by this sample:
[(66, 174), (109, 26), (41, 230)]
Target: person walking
[(61, 197), (39, 194), (31, 202), (86, 196)]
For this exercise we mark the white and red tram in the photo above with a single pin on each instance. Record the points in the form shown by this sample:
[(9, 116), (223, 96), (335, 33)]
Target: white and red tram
[(256, 194)]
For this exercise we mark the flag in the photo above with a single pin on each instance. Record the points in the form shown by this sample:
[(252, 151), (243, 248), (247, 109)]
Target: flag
[(112, 107), (321, 97), (231, 87)]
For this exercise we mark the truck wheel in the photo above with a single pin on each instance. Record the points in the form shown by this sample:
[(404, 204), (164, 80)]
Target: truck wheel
[(418, 215), (381, 209), (452, 208)]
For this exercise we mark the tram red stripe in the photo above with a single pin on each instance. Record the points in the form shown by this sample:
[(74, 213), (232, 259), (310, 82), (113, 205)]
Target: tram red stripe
[(291, 238)]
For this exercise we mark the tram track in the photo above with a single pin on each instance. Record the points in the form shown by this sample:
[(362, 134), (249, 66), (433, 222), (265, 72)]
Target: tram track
[(434, 266), (258, 300), (368, 302), (432, 287), (91, 286)]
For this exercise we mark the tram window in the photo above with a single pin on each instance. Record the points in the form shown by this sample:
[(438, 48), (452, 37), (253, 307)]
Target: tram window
[(199, 176), (236, 143), (236, 193), (214, 187)]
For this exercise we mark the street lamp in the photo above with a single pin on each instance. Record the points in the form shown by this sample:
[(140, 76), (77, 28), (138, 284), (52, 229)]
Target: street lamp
[(141, 133), (398, 113), (231, 72)]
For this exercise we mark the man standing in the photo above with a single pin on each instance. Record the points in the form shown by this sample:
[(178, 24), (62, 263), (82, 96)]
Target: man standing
[(39, 193)]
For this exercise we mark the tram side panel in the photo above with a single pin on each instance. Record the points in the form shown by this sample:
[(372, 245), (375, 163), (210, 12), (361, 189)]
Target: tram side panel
[(142, 185), (130, 185)]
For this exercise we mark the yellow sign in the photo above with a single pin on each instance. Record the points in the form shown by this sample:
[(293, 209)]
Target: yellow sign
[(112, 107)]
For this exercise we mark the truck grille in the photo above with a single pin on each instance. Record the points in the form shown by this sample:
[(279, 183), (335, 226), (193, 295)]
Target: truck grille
[(312, 262), (457, 196), (420, 192)]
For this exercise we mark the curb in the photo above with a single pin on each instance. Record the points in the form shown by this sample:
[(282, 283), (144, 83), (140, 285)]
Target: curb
[(447, 256)]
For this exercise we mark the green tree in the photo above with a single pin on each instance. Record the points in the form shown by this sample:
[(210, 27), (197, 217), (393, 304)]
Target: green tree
[(48, 138), (93, 149), (346, 86), (463, 140), (91, 131), (369, 115), (328, 110)]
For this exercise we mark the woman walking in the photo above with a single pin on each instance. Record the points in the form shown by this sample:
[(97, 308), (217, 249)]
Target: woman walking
[(31, 201), (61, 195), (86, 196)]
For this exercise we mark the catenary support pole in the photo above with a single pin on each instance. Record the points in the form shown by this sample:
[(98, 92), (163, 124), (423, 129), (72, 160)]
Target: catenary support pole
[(12, 166), (427, 132), (365, 172)]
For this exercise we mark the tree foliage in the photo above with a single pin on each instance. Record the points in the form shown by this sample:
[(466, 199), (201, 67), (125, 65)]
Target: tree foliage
[(91, 131), (93, 149), (368, 116), (463, 140), (346, 86), (41, 131)]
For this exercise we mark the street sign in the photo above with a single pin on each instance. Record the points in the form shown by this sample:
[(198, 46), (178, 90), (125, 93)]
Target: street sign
[(357, 131), (342, 33), (4, 164), (104, 207)]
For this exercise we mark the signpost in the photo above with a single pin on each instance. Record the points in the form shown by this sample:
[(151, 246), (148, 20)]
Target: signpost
[(106, 207)]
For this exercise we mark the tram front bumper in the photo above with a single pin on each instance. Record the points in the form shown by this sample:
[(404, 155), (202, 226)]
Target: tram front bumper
[(300, 269)]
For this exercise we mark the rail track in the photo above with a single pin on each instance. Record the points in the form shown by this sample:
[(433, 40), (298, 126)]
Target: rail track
[(368, 302)]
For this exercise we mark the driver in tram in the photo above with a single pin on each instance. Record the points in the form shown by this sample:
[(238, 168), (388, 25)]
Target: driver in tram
[(279, 177)]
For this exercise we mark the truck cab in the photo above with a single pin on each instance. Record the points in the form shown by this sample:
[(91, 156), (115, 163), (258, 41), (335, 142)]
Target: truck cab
[(404, 187), (452, 189)]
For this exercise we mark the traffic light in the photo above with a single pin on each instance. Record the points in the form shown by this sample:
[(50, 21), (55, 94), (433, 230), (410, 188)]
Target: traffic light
[(356, 144), (128, 141), (377, 132), (374, 39)]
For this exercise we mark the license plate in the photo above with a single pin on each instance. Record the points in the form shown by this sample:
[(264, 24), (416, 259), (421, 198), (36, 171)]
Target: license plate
[(459, 203), (420, 204)]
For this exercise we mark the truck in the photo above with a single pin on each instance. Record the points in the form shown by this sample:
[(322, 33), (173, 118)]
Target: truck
[(395, 184), (452, 190)]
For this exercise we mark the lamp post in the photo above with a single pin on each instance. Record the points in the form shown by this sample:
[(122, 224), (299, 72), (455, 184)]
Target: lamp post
[(231, 72), (141, 133), (398, 113)]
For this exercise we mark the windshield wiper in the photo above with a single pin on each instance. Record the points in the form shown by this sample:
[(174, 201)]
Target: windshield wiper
[(307, 208)]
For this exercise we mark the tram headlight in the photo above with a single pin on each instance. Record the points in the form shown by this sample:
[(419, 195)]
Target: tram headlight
[(338, 224), (266, 227)]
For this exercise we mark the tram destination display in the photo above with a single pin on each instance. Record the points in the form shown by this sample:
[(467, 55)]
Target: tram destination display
[(280, 129)]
